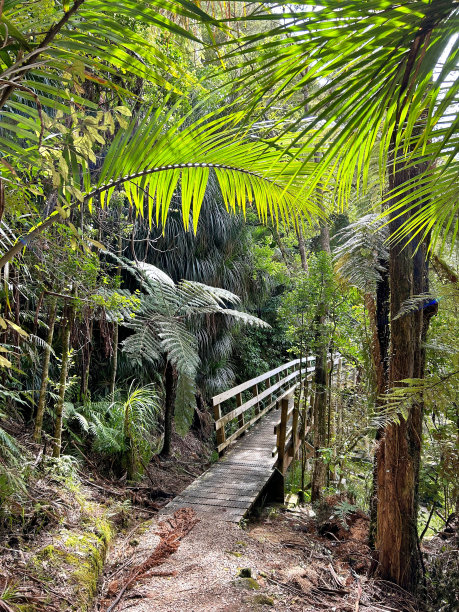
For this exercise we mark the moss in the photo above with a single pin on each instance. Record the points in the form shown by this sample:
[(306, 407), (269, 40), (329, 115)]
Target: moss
[(234, 553), (80, 555), (249, 583), (262, 600)]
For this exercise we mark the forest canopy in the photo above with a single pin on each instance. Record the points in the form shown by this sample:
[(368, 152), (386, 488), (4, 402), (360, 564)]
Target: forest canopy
[(193, 194)]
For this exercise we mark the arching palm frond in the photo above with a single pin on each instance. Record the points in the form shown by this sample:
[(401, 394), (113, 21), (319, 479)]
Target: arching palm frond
[(149, 161), (374, 75)]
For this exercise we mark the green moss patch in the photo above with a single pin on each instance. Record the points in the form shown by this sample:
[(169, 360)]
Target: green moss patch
[(74, 560)]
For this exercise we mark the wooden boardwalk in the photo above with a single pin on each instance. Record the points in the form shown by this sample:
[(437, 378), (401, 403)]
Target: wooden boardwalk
[(258, 434), (230, 487)]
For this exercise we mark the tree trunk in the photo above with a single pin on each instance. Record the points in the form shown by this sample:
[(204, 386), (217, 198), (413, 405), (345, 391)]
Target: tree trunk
[(171, 392), (302, 248), (45, 372), (87, 352), (320, 387), (62, 385), (400, 448), (320, 421), (114, 362), (380, 355)]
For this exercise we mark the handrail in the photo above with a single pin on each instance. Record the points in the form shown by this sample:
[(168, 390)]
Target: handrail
[(274, 393), (282, 386), (222, 397)]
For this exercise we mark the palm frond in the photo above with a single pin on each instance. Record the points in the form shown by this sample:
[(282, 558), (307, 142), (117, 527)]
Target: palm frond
[(376, 75), (149, 162)]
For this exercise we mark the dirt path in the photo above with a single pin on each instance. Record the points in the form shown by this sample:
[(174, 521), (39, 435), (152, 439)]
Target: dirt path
[(291, 569)]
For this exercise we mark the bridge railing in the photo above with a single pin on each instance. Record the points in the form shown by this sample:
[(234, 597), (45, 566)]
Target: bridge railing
[(289, 437), (238, 408)]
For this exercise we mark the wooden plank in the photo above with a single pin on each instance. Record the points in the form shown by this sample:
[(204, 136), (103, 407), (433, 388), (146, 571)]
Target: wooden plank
[(235, 435)]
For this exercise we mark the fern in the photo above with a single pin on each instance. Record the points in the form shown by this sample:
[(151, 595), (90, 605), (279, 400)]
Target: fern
[(122, 428), (343, 511), (363, 247)]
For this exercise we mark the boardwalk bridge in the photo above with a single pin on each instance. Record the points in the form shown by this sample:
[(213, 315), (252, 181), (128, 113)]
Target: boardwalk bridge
[(259, 433)]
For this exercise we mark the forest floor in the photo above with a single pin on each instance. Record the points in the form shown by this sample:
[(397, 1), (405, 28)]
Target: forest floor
[(277, 561), (99, 545)]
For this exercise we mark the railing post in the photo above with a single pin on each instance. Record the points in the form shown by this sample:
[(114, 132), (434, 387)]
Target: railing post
[(294, 431), (282, 431), (240, 418), (221, 430), (255, 394), (278, 379)]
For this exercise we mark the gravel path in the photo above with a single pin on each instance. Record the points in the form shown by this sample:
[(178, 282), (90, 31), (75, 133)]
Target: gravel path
[(207, 565)]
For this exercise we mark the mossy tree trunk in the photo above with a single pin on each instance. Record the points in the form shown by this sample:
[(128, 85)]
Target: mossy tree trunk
[(45, 371)]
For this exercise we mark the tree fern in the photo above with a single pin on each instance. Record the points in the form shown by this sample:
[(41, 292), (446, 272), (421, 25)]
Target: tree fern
[(362, 252), (185, 403)]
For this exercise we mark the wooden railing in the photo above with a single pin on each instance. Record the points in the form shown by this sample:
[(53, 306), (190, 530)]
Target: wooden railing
[(288, 434), (234, 412), (289, 437)]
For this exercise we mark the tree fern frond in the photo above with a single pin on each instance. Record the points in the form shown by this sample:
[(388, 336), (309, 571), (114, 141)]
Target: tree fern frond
[(244, 317), (180, 346), (144, 343)]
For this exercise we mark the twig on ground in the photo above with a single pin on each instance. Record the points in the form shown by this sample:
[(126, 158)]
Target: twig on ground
[(47, 587)]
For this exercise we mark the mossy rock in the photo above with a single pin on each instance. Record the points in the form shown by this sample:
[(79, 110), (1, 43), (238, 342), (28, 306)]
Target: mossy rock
[(248, 583), (262, 600)]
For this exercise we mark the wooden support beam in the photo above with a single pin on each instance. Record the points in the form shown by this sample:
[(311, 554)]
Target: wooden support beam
[(255, 396), (220, 430), (240, 417)]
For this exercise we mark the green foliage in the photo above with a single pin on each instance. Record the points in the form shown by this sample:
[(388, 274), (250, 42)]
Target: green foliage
[(374, 76), (362, 253), (343, 511), (123, 429), (167, 325)]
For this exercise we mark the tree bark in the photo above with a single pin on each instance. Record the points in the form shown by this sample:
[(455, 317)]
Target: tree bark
[(302, 248), (400, 448), (45, 371), (321, 388), (114, 362), (84, 387), (170, 384), (380, 353), (320, 422)]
